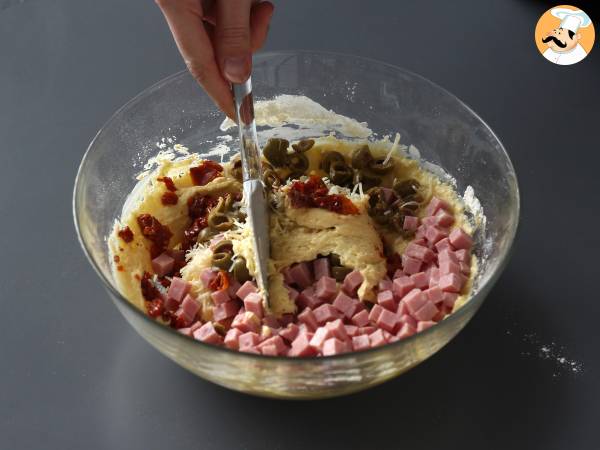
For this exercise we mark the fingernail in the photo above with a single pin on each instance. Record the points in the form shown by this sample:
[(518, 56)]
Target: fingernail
[(236, 69)]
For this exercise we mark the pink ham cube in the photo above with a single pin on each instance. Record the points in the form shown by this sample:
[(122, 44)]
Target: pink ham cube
[(460, 240), (465, 268), (321, 267), (249, 339), (434, 276), (434, 294), (253, 302), (426, 312), (451, 282), (337, 329), (402, 309), (376, 310), (308, 317), (290, 332), (410, 223), (361, 318), (333, 346), (444, 244), (163, 264), (444, 218), (419, 252), (361, 342), (320, 336), (234, 285), (447, 255), (187, 331), (301, 275), (221, 296), (225, 310), (450, 299), (366, 330), (420, 280), (428, 221), (207, 333), (463, 255), (403, 286), (292, 293), (346, 305), (352, 282), (247, 288), (308, 299), (351, 330), (434, 205), (448, 266), (301, 347), (248, 321), (386, 300), (277, 341), (287, 275), (407, 319), (231, 338), (387, 320), (406, 331), (435, 234), (188, 310), (178, 289), (386, 285), (423, 325), (207, 276), (414, 301), (411, 265), (326, 313), (271, 321), (377, 338), (268, 350), (250, 350), (325, 288)]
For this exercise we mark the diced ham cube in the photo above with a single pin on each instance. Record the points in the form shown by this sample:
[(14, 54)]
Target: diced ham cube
[(301, 274), (352, 282), (301, 347), (247, 288), (411, 265), (406, 331), (293, 293), (253, 302), (333, 346), (444, 244), (187, 331), (448, 266), (451, 282), (450, 299), (361, 342), (434, 277), (207, 333), (420, 234), (434, 294), (403, 286), (420, 280), (249, 339), (178, 289), (423, 325), (250, 350), (188, 310), (460, 240), (232, 338), (320, 336), (377, 338), (290, 332), (402, 309), (428, 221), (447, 255), (195, 326), (346, 305), (325, 313), (234, 285), (435, 234), (387, 320), (361, 319), (398, 274), (271, 321), (321, 268), (375, 312), (386, 285), (308, 317), (366, 330), (287, 276), (465, 268), (286, 319), (386, 300), (419, 252), (463, 255), (414, 301), (444, 218), (337, 329), (325, 288), (163, 264), (351, 330), (268, 350), (434, 205), (426, 312), (221, 296), (410, 223), (440, 314), (248, 321), (207, 276), (225, 310), (277, 341), (408, 319), (308, 299)]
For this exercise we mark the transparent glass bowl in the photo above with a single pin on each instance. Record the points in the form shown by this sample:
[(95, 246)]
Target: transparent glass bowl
[(389, 99)]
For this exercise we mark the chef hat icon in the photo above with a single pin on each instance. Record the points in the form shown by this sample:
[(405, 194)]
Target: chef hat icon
[(571, 19)]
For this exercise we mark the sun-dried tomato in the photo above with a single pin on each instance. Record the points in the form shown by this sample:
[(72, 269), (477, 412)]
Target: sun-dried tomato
[(220, 282), (205, 172), (126, 234), (155, 232), (169, 198), (149, 291), (313, 193), (168, 183)]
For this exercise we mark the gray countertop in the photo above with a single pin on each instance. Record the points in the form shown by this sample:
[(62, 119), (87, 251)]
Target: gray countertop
[(75, 375)]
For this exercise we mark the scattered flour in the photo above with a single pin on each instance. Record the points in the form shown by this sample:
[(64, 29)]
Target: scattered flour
[(552, 352)]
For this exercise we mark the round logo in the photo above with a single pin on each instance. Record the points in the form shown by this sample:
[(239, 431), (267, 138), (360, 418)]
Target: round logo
[(564, 35)]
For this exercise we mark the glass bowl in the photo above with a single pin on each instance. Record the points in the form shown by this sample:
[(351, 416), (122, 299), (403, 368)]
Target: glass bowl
[(446, 131)]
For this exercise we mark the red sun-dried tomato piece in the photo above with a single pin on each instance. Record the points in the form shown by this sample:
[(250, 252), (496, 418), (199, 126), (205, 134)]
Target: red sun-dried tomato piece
[(220, 282), (149, 291), (126, 234), (168, 183), (169, 198), (313, 193), (205, 172), (155, 232), (155, 308)]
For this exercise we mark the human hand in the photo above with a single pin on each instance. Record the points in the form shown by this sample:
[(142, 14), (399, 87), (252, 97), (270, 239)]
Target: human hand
[(216, 39)]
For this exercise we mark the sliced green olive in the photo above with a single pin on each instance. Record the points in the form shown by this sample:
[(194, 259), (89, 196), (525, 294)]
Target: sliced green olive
[(407, 188), (361, 157), (303, 145), (223, 246), (327, 158), (219, 221), (340, 173), (276, 151), (297, 162), (339, 272), (409, 208), (220, 328), (368, 181), (397, 221), (205, 235), (380, 167), (271, 178), (222, 260), (236, 168), (239, 270)]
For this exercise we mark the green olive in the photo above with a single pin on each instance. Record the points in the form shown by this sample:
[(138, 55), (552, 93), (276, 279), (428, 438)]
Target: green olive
[(303, 145), (327, 158), (220, 328), (368, 181), (222, 260), (361, 157), (276, 151), (397, 221), (407, 188), (340, 173), (380, 167), (223, 246), (270, 178), (205, 235), (236, 168), (409, 208), (297, 162), (339, 272), (239, 270), (334, 259), (219, 221)]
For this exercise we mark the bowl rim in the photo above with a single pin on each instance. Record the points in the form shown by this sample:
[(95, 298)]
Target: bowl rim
[(470, 303)]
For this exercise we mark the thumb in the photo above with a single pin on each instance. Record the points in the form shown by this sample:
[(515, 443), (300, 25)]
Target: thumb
[(232, 39)]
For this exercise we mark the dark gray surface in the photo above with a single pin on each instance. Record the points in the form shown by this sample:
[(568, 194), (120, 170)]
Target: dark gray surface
[(74, 375)]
